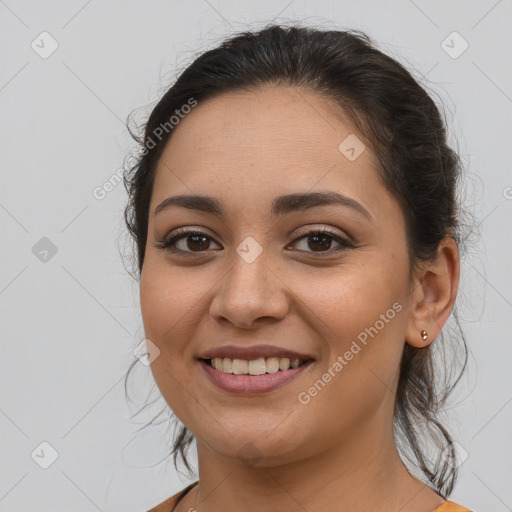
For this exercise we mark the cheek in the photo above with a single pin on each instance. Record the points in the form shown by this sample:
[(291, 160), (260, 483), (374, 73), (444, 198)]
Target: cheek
[(360, 313), (349, 299), (170, 302), (168, 307), (171, 309)]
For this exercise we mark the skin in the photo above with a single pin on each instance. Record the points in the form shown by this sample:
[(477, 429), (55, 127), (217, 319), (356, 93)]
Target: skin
[(336, 452)]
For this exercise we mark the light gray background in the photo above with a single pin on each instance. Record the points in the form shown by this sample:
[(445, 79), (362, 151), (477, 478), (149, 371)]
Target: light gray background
[(69, 325)]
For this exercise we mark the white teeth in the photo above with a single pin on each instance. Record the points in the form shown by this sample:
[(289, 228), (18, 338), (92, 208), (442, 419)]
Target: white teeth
[(272, 364), (227, 365), (240, 367), (254, 367), (284, 363), (257, 367)]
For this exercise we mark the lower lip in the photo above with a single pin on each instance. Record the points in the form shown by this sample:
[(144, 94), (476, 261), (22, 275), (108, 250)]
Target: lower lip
[(251, 384)]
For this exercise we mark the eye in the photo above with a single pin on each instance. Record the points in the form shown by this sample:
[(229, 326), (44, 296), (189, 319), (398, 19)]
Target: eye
[(320, 240), (192, 241)]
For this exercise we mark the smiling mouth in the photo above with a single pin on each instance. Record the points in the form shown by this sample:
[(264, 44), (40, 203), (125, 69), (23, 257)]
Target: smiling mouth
[(254, 367)]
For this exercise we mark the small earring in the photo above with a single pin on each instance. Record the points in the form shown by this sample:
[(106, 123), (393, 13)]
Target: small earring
[(424, 335)]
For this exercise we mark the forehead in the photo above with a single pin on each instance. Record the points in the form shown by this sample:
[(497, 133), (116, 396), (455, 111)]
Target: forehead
[(262, 122), (265, 140)]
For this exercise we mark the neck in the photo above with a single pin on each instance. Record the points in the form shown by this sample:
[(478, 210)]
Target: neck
[(355, 475)]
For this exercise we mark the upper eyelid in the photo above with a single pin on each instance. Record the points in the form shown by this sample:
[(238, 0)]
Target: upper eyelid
[(314, 226), (305, 230)]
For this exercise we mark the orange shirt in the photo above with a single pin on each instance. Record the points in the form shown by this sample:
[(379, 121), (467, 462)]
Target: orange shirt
[(169, 504)]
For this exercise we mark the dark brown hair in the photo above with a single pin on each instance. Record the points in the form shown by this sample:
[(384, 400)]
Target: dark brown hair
[(398, 119)]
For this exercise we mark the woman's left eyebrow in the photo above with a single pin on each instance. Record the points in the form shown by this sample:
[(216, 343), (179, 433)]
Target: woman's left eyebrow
[(280, 206)]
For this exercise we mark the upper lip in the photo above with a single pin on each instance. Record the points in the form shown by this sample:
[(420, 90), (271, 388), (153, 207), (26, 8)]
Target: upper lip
[(252, 353)]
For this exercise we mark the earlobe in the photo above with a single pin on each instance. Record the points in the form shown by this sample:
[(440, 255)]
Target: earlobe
[(434, 296), (419, 338)]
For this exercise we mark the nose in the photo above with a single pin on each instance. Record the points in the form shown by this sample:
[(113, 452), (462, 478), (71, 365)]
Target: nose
[(250, 292)]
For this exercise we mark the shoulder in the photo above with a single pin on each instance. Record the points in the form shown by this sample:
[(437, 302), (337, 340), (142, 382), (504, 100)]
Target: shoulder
[(170, 503), (450, 506)]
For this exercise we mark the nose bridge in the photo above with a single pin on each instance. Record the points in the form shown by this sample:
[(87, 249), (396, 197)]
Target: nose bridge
[(250, 266), (250, 289)]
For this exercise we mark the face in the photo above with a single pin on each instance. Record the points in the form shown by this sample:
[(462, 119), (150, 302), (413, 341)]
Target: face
[(326, 280)]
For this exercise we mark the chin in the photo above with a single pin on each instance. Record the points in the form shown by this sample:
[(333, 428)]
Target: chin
[(263, 448)]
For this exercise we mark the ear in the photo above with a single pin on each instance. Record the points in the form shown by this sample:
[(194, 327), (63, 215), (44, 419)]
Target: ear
[(433, 297)]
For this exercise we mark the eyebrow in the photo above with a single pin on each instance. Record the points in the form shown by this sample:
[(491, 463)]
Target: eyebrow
[(280, 206)]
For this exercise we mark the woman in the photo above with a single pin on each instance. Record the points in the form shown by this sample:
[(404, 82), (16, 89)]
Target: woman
[(294, 212)]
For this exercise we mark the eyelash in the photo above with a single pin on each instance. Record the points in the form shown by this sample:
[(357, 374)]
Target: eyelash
[(167, 244)]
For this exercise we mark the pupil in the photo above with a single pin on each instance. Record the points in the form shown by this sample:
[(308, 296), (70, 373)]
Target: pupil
[(321, 237), (196, 237)]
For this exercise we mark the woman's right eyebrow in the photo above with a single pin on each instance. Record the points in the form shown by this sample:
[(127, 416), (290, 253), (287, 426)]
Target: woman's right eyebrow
[(280, 206)]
